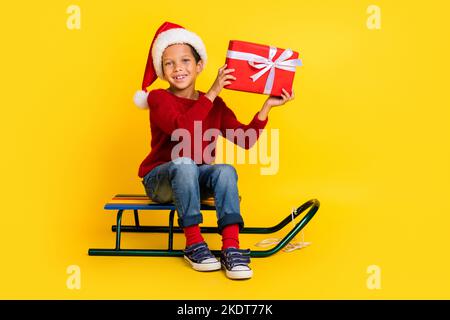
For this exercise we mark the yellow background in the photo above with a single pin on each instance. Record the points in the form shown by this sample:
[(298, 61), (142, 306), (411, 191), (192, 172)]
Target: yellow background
[(367, 135)]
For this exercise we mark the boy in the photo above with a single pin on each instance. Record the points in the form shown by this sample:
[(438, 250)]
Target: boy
[(178, 56)]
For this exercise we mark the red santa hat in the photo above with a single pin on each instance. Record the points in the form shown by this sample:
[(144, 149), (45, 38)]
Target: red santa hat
[(167, 34)]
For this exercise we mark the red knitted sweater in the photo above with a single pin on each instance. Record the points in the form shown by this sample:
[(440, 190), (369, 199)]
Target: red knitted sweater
[(169, 112)]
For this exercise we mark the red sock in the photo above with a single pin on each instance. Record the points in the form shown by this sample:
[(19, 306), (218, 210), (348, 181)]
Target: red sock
[(193, 235), (230, 236)]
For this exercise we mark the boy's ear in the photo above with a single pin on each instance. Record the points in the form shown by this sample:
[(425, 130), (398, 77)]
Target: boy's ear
[(200, 66)]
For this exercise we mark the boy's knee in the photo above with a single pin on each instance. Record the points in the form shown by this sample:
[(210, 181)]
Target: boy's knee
[(183, 160), (226, 171), (184, 168)]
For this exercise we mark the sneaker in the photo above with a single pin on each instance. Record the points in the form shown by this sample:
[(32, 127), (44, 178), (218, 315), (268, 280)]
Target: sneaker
[(200, 258), (235, 262)]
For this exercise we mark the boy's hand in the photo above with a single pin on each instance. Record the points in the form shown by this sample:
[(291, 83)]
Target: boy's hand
[(279, 101), (223, 79), (273, 101)]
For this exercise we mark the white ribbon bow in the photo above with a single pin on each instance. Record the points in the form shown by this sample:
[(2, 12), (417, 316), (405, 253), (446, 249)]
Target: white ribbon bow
[(266, 64)]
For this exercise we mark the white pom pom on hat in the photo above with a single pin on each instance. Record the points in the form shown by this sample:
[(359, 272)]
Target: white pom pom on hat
[(140, 99), (167, 34)]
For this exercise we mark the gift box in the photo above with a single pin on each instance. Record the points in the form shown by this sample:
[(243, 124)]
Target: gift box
[(261, 68)]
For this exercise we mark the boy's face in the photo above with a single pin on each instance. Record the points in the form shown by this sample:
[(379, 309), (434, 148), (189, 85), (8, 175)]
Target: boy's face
[(179, 66)]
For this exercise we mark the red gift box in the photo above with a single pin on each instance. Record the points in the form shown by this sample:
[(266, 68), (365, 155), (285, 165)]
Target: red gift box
[(261, 68)]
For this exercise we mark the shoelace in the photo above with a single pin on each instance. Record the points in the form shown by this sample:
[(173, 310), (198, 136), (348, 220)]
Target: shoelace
[(291, 246)]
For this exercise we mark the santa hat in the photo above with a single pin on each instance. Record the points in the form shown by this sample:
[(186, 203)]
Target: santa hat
[(167, 34)]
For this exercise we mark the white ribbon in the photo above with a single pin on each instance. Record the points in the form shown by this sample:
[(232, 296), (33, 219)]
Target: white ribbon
[(267, 64)]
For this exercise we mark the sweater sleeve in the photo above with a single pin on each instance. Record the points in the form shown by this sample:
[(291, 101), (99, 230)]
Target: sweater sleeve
[(168, 118), (240, 134)]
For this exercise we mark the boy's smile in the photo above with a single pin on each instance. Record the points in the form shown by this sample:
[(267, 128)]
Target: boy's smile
[(180, 69)]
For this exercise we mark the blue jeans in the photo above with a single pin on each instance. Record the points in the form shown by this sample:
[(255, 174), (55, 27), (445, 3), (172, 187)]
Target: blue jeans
[(186, 183)]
